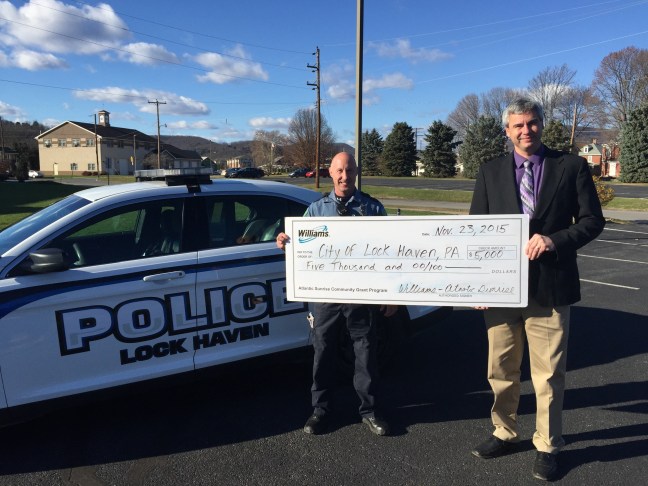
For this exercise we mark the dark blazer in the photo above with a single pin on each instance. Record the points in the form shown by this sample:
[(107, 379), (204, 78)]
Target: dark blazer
[(567, 210)]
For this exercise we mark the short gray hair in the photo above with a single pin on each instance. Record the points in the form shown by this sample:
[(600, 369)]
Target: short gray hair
[(519, 106)]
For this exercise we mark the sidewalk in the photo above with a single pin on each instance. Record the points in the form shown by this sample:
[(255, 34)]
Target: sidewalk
[(640, 217)]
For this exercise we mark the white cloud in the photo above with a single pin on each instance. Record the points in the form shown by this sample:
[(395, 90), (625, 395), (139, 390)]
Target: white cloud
[(343, 90), (339, 78), (11, 112), (224, 69), (262, 123), (402, 48), (36, 61), (174, 104), (185, 125), (388, 81), (39, 24), (147, 54)]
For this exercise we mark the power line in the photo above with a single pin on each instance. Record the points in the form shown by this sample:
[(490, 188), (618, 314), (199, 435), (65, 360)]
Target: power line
[(142, 97), (166, 61), (191, 31), (163, 39)]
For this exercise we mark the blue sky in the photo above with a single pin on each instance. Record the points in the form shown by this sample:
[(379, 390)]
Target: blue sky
[(226, 69)]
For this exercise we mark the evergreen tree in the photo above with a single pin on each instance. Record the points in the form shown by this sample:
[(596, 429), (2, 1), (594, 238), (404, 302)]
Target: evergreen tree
[(484, 140), (399, 152), (372, 146), (555, 136), (634, 147), (439, 158)]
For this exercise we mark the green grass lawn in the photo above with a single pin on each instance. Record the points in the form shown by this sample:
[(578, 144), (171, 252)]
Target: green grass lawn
[(18, 200)]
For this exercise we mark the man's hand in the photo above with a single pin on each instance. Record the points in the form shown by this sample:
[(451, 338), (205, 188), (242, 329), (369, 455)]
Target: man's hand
[(282, 239), (537, 245)]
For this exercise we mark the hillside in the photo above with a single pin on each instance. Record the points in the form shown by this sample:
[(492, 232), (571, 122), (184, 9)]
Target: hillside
[(207, 148)]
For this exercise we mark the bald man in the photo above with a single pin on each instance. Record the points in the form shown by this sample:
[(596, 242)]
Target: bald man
[(344, 200)]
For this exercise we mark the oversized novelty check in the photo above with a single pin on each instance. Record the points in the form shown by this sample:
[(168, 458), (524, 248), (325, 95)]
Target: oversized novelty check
[(439, 260)]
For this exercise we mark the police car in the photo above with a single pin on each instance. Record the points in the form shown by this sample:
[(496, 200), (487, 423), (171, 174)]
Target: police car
[(119, 284)]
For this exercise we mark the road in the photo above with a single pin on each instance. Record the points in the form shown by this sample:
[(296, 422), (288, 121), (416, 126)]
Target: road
[(245, 427), (620, 190)]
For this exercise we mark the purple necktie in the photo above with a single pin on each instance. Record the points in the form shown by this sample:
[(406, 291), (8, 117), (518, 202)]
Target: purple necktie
[(526, 189)]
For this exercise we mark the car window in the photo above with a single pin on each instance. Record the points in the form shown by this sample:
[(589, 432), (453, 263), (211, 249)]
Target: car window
[(242, 220), (142, 230)]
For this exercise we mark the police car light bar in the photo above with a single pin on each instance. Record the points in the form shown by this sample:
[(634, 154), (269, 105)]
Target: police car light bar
[(176, 177)]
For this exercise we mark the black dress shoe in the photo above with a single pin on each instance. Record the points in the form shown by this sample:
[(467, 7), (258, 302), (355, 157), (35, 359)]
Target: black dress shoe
[(545, 466), (492, 447), (316, 424), (376, 425)]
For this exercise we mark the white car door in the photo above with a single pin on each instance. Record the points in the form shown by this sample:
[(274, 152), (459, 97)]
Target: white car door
[(241, 282), (120, 314)]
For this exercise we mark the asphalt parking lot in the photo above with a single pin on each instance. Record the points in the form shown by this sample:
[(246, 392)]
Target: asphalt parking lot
[(245, 427)]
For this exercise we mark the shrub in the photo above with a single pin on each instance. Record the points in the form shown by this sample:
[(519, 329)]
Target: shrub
[(605, 192)]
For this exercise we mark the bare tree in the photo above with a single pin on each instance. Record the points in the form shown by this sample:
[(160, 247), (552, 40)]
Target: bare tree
[(495, 101), (549, 86), (580, 109), (267, 146), (302, 135), (621, 81), (465, 114)]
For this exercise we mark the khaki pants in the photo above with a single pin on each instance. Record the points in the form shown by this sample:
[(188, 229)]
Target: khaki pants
[(547, 331)]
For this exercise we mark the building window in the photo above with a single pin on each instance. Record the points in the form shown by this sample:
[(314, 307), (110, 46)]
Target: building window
[(586, 149), (74, 166), (120, 144), (89, 142), (92, 166), (109, 143), (62, 142), (589, 159), (75, 142), (47, 142)]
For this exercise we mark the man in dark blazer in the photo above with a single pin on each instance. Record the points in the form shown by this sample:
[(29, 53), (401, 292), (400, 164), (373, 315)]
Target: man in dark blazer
[(559, 195)]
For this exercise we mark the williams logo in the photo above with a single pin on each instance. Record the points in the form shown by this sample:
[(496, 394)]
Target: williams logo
[(306, 235)]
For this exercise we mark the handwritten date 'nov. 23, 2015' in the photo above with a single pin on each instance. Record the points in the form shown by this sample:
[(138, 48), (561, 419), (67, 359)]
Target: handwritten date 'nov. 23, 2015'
[(424, 260)]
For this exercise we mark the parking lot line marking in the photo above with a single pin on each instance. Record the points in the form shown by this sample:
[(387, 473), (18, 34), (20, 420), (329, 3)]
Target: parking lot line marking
[(621, 242), (626, 231), (609, 284), (613, 259)]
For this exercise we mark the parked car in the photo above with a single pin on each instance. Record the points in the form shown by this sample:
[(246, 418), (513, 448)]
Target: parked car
[(231, 171), (248, 173), (34, 174), (115, 285), (322, 173), (301, 172)]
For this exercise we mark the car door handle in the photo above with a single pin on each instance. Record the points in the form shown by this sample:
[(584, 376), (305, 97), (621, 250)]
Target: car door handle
[(164, 276)]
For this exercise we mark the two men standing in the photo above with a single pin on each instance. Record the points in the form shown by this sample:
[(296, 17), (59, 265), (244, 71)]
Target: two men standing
[(556, 190)]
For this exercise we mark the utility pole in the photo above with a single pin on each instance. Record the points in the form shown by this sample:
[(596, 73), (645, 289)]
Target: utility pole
[(316, 69), (97, 151), (157, 108), (573, 130), (358, 107), (134, 153), (2, 141)]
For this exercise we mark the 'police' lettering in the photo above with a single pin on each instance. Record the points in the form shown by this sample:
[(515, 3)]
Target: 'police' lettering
[(145, 319)]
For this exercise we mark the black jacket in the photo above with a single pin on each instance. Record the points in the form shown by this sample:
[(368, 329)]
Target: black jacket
[(567, 210)]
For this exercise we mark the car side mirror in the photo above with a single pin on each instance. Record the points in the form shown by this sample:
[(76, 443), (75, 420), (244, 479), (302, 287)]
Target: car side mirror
[(47, 260)]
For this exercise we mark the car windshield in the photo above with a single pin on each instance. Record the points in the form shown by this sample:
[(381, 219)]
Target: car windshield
[(14, 234)]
